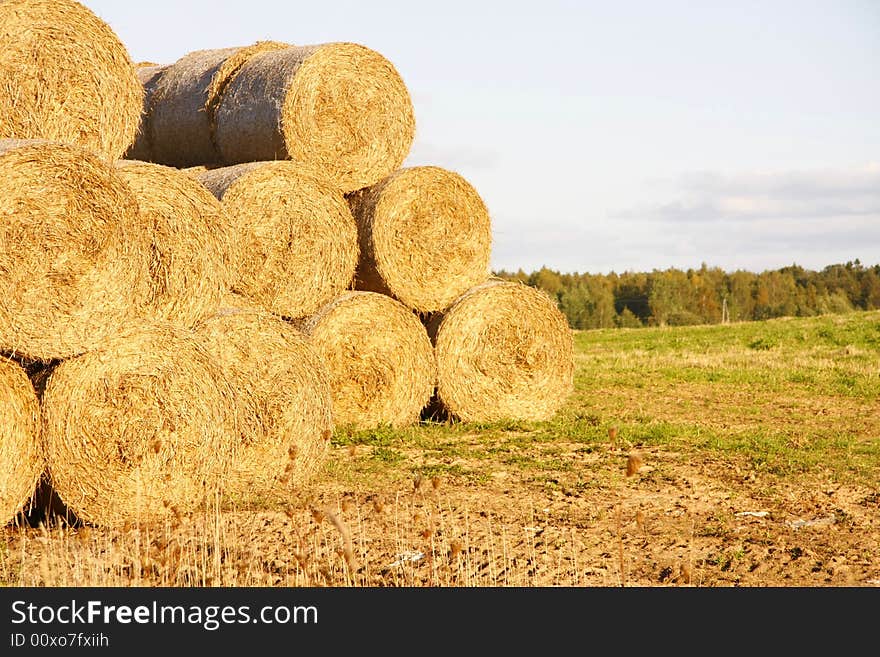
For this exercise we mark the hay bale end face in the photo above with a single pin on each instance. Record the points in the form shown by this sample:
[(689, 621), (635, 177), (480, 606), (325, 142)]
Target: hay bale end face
[(297, 237), (340, 107), (140, 429), (66, 77), (504, 351), (379, 356), (425, 237), (182, 110), (191, 254), (21, 454), (73, 263), (283, 395)]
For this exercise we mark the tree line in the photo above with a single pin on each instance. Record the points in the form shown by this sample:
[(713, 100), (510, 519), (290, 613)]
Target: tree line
[(708, 295)]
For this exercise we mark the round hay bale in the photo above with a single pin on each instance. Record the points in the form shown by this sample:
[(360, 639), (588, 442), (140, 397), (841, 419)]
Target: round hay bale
[(66, 77), (504, 351), (21, 455), (148, 75), (140, 428), (191, 266), (340, 107), (297, 236), (182, 108), (425, 237), (282, 388), (380, 359), (73, 262)]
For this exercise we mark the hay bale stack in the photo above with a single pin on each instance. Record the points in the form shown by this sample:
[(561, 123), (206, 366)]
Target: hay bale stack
[(191, 265), (297, 236), (66, 77), (140, 428), (21, 455), (380, 359), (340, 107), (73, 263), (504, 351), (425, 237), (283, 393), (182, 111), (148, 75)]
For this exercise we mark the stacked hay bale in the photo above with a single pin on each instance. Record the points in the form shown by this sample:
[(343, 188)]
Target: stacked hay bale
[(504, 350), (283, 397), (73, 253), (193, 251), (139, 428), (66, 77), (380, 359), (425, 237), (296, 235), (340, 108)]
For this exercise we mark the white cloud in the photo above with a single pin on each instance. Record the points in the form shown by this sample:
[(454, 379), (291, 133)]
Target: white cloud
[(707, 196)]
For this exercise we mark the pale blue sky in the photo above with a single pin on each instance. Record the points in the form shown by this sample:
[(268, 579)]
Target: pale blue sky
[(612, 135)]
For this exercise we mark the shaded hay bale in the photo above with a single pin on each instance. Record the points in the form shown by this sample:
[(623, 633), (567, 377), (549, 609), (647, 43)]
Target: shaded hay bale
[(182, 112), (380, 359), (66, 77), (340, 107), (148, 75), (504, 351), (73, 262), (191, 263), (425, 237), (140, 428), (282, 389), (21, 455), (297, 236)]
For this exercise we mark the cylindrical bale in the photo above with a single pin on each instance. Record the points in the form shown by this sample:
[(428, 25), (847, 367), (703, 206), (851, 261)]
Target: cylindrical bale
[(381, 363), (298, 239), (21, 454), (141, 428), (73, 257), (66, 77), (148, 75), (182, 112), (282, 389), (504, 351), (340, 107), (425, 237), (191, 251)]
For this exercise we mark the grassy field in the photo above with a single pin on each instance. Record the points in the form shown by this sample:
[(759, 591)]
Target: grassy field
[(741, 454)]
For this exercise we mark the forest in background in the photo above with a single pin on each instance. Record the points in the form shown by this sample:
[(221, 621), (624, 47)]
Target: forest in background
[(708, 295)]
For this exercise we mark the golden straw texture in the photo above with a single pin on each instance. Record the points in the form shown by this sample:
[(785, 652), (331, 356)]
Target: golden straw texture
[(380, 359), (183, 105), (21, 455), (297, 236), (340, 107), (65, 76), (139, 429), (282, 389), (425, 237), (191, 257), (73, 260), (504, 351)]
